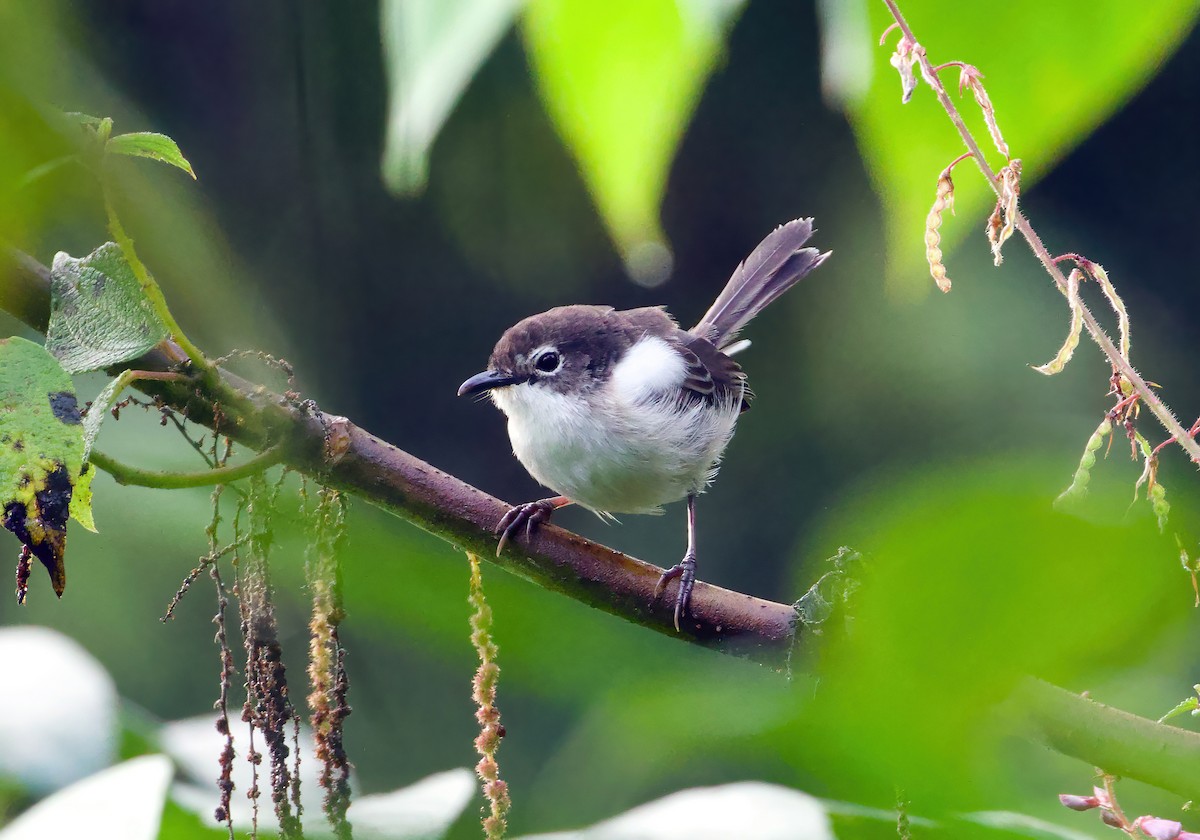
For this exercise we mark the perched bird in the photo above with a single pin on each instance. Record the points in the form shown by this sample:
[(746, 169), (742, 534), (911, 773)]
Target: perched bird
[(622, 412)]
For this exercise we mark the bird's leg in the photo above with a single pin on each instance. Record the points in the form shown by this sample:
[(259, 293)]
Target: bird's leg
[(528, 516), (685, 569)]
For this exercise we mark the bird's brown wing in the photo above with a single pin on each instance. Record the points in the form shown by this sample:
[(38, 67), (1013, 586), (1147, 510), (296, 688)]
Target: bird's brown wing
[(711, 375)]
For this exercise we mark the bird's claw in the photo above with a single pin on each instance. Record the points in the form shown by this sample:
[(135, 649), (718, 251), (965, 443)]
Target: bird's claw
[(685, 570), (528, 516)]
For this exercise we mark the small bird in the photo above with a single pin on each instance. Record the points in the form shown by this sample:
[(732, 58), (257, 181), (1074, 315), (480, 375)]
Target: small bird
[(623, 412)]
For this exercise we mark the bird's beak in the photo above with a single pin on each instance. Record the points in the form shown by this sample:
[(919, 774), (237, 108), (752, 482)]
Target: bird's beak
[(488, 380)]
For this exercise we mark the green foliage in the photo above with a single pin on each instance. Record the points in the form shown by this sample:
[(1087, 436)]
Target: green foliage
[(99, 410), (1047, 99), (147, 144), (181, 824), (974, 582), (620, 80), (41, 454), (99, 314), (1189, 705), (432, 49), (99, 129), (963, 550)]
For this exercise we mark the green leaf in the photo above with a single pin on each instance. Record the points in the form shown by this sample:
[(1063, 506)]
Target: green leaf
[(147, 144), (1191, 704), (99, 315), (954, 548), (432, 49), (81, 499), (99, 408), (747, 810), (1051, 81), (852, 820), (620, 80), (100, 127), (41, 454)]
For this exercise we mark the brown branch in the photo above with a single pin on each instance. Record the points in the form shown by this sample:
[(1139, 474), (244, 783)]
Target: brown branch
[(1153, 402), (342, 455)]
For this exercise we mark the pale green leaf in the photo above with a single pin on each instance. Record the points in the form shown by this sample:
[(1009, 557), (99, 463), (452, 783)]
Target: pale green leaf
[(71, 731), (1021, 825), (99, 409), (746, 810), (1053, 72), (432, 49), (620, 81), (424, 809), (41, 454), (99, 315), (846, 50), (147, 144), (100, 127), (121, 803), (81, 499)]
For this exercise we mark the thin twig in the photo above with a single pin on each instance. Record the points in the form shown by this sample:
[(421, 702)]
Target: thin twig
[(1157, 407), (126, 474)]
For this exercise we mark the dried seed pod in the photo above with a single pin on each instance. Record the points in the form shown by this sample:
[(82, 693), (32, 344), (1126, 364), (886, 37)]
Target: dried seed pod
[(943, 201)]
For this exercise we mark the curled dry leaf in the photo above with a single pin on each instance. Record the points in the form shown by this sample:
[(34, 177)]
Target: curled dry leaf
[(1003, 220), (1114, 300), (337, 438), (970, 77), (903, 59)]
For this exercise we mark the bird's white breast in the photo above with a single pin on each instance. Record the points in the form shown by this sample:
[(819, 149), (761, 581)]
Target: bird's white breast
[(627, 446)]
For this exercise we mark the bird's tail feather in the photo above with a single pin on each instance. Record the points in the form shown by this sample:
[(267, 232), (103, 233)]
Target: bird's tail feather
[(778, 263)]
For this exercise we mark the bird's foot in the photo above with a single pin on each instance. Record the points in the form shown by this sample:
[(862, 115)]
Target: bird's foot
[(685, 570), (527, 516)]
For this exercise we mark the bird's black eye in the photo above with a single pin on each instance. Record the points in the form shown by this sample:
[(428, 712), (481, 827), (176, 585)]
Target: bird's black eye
[(548, 362)]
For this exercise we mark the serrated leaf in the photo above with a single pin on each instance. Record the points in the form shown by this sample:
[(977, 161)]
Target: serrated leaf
[(147, 144), (41, 454), (620, 81), (432, 49), (1046, 101), (99, 315), (1191, 704)]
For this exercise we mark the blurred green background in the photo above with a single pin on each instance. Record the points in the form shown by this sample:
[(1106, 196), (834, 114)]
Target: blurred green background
[(891, 418)]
